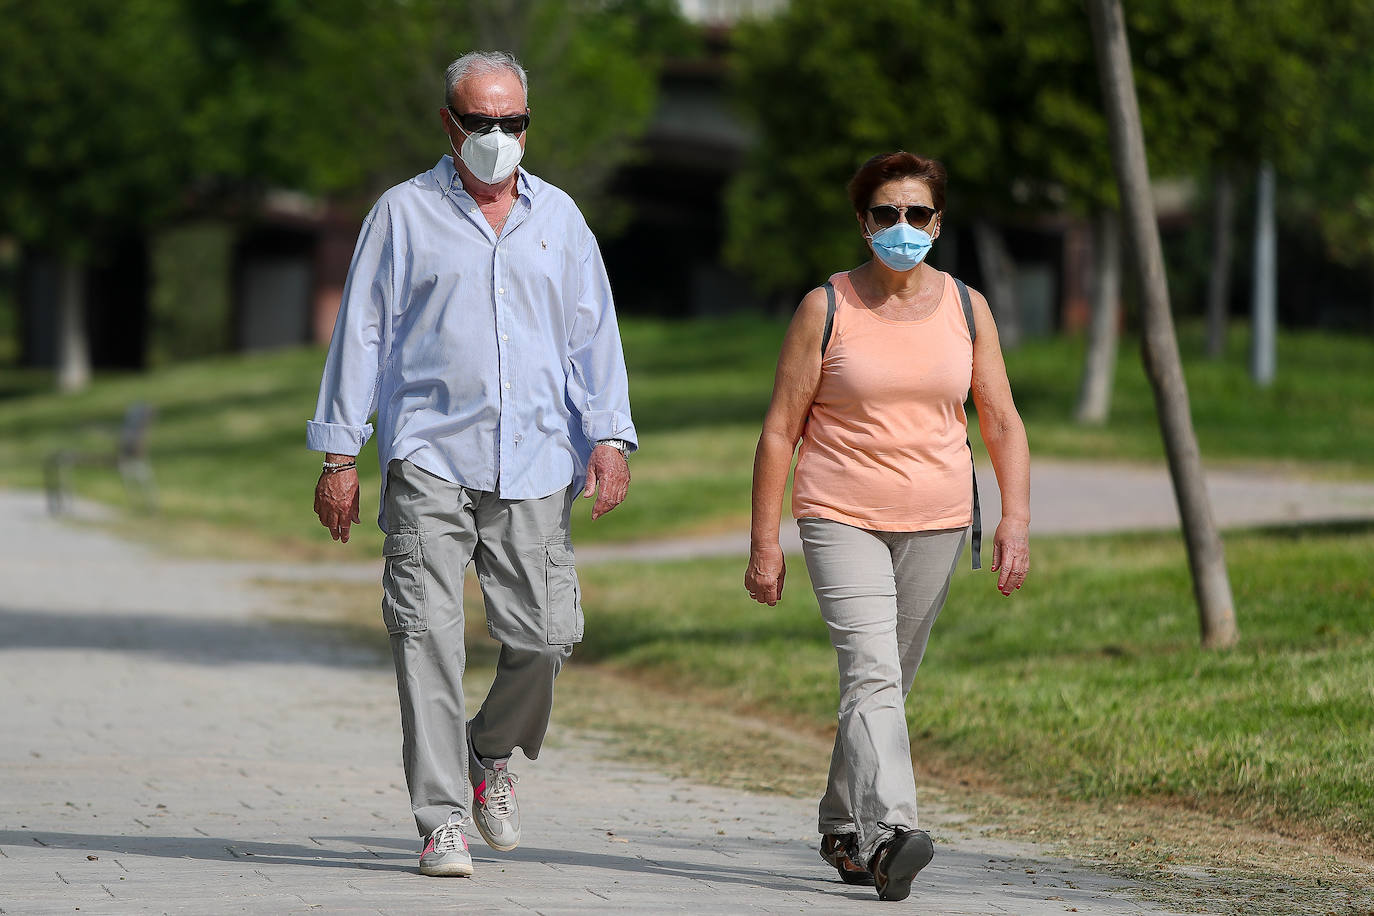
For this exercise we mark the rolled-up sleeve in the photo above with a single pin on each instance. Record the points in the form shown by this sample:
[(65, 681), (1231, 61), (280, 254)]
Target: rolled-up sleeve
[(599, 385), (352, 370)]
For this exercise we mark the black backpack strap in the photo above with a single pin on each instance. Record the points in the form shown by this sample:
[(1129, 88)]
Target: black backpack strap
[(968, 308), (829, 315), (976, 542), (977, 534)]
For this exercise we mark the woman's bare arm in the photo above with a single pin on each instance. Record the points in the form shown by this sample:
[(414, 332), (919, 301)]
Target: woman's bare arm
[(794, 388), (1005, 437)]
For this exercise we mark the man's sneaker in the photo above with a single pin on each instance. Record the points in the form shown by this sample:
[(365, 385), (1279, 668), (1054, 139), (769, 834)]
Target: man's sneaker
[(840, 851), (494, 808), (446, 853), (898, 861)]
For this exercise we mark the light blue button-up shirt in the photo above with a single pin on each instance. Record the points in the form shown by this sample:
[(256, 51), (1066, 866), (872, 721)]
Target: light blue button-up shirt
[(491, 361)]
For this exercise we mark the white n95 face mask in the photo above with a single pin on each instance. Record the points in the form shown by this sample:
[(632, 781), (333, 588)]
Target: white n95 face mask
[(491, 155)]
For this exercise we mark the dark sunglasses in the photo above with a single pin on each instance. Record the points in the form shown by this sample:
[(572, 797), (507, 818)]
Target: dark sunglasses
[(480, 124), (885, 216)]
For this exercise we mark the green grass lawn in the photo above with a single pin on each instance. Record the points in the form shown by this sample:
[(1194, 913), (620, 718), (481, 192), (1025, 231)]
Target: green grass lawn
[(228, 445), (1089, 684)]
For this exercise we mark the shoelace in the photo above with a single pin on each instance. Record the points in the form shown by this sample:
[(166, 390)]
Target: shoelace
[(499, 792), (896, 831), (449, 837)]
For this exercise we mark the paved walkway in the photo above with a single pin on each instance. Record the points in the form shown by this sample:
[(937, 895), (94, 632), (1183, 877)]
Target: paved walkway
[(168, 749)]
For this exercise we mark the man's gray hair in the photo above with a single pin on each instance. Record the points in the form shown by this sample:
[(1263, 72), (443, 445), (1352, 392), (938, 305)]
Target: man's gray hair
[(475, 62)]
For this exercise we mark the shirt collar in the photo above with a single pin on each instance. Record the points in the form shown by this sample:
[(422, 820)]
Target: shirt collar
[(449, 179)]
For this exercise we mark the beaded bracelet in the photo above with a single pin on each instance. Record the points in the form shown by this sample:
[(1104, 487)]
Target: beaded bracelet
[(335, 468)]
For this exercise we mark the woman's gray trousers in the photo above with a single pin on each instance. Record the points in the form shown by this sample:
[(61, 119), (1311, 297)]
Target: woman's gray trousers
[(879, 593)]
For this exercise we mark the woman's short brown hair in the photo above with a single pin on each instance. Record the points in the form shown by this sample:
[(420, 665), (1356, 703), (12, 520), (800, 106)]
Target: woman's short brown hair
[(886, 167)]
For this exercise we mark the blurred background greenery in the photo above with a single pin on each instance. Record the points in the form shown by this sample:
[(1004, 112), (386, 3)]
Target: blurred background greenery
[(186, 177)]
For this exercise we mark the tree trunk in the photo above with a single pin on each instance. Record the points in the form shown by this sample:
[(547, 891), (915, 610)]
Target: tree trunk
[(1219, 277), (1263, 320), (1206, 555), (999, 280), (1099, 366), (73, 349)]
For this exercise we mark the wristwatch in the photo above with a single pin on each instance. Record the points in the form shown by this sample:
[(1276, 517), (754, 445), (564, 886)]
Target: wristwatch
[(619, 445)]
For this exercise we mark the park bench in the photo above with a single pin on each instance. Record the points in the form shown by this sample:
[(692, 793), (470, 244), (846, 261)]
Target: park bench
[(129, 456)]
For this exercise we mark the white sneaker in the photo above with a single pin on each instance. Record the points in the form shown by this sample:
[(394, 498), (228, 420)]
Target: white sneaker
[(494, 809), (446, 853)]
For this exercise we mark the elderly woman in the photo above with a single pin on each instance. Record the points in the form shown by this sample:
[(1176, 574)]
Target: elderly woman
[(872, 379)]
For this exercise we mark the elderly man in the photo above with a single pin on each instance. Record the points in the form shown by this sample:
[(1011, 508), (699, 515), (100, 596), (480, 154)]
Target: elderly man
[(477, 323)]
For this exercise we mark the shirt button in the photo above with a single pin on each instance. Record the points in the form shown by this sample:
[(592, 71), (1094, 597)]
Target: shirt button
[(505, 337), (502, 290), (517, 437), (507, 384)]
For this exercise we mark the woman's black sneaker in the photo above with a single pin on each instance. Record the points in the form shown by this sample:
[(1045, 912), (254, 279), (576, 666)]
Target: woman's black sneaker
[(840, 851), (899, 860)]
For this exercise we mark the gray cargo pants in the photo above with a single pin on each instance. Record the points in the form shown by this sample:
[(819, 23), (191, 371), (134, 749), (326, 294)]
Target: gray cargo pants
[(524, 562), (879, 592)]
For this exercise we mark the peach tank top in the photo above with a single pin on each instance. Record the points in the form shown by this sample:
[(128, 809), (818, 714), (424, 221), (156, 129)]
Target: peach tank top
[(885, 444)]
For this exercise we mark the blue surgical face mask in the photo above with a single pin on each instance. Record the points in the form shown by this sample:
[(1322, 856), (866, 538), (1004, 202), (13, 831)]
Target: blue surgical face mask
[(901, 247)]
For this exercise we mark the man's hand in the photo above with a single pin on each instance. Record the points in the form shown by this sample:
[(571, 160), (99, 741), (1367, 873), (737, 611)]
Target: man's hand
[(1011, 554), (764, 577), (336, 499), (609, 470)]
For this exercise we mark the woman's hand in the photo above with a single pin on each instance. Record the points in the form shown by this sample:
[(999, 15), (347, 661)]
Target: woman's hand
[(767, 570), (1011, 554)]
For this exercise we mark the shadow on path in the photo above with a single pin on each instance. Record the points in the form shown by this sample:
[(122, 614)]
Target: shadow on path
[(208, 642), (356, 853)]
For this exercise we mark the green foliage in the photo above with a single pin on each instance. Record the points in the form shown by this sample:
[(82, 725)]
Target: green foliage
[(363, 111), (593, 87), (1003, 93), (1086, 684), (92, 136), (1335, 181), (1006, 94), (114, 117)]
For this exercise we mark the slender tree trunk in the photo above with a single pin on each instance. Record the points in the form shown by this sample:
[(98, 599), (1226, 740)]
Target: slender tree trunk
[(1206, 555), (73, 349), (999, 276), (1263, 318), (1219, 277), (1099, 367)]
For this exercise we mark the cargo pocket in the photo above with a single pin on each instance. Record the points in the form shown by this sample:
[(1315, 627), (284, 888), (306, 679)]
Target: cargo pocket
[(563, 608), (403, 582)]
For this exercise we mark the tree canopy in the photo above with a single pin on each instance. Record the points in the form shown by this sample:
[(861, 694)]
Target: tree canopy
[(1005, 93), (115, 117)]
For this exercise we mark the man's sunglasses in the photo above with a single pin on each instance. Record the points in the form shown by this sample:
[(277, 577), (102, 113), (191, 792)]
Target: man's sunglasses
[(885, 216), (480, 124)]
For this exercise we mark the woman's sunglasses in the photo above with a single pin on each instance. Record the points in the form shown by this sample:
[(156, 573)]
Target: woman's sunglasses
[(885, 216), (480, 124)]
